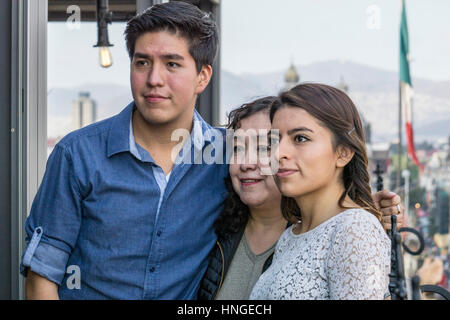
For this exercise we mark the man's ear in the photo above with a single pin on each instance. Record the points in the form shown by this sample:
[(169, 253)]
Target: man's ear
[(344, 156), (203, 78)]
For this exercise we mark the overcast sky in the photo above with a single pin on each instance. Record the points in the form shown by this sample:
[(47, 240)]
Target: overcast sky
[(265, 35)]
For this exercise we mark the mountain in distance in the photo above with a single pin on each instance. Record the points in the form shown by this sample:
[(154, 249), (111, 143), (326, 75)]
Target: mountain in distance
[(373, 90)]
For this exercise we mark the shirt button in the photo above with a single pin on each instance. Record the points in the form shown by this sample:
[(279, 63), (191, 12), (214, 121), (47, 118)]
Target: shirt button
[(158, 233), (152, 269)]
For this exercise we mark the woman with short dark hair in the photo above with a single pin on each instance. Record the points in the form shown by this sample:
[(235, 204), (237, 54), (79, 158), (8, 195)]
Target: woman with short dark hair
[(251, 221)]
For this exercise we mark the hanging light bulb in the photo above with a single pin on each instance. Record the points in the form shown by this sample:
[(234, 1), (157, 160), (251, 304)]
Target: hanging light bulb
[(104, 16), (105, 57)]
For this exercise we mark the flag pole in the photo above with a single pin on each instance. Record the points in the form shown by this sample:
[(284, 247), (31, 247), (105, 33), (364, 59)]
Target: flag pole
[(399, 150)]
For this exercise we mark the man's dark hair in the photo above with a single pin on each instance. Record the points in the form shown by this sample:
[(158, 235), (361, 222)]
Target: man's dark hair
[(183, 19)]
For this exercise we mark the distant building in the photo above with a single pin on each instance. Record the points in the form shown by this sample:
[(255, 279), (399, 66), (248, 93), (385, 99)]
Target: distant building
[(84, 111), (343, 86), (437, 171), (448, 151), (291, 78), (367, 129), (379, 154)]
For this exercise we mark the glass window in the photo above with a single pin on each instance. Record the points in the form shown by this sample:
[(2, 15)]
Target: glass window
[(80, 91)]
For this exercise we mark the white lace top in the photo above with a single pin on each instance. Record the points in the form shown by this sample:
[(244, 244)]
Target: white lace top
[(345, 257)]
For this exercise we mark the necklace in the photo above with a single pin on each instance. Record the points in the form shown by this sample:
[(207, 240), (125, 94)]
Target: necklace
[(297, 225)]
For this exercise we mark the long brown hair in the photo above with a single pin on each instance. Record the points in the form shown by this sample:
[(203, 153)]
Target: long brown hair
[(336, 111)]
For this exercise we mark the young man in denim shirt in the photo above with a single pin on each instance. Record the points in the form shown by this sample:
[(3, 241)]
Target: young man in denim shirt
[(113, 205)]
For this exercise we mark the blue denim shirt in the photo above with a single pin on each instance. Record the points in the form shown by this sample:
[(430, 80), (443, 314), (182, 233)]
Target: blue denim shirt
[(105, 217)]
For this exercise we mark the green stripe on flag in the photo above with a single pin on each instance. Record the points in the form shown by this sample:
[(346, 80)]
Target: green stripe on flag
[(404, 48)]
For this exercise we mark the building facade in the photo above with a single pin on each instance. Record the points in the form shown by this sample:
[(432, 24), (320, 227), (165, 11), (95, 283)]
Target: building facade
[(84, 111)]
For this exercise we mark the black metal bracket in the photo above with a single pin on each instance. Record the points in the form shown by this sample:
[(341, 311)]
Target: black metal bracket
[(436, 289)]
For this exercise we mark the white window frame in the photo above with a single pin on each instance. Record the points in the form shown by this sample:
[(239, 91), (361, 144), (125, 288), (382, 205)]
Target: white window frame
[(28, 119)]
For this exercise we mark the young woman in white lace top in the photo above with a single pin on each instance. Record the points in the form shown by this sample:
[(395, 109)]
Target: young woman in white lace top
[(337, 247)]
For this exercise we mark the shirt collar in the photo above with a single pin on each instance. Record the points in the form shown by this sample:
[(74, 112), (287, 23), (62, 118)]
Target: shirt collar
[(118, 137), (201, 132), (121, 137)]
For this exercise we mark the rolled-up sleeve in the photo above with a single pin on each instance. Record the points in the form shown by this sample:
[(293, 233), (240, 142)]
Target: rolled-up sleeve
[(53, 224)]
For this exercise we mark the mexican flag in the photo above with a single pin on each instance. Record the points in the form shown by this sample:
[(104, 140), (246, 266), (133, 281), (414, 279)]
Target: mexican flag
[(406, 91)]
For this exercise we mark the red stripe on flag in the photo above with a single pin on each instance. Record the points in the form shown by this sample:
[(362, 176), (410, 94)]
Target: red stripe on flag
[(411, 148)]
